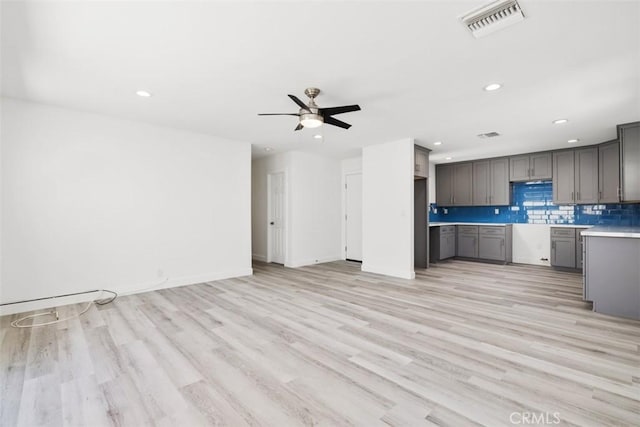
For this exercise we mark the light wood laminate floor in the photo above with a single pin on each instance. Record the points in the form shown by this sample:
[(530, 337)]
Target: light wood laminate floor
[(463, 344)]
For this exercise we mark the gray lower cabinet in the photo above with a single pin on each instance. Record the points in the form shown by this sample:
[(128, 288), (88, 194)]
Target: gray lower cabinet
[(495, 243), (579, 248), (443, 242), (467, 241), (609, 172), (566, 247), (629, 137)]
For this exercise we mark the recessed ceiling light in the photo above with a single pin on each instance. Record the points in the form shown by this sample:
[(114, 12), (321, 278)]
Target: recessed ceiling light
[(143, 93), (268, 149), (492, 86), (560, 121), (571, 141), (437, 143), (317, 136), (448, 158)]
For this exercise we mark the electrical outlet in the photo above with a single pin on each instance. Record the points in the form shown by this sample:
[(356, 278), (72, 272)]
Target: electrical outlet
[(435, 210), (497, 211), (445, 211)]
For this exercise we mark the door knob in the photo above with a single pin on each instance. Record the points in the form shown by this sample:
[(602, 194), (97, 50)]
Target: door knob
[(271, 223)]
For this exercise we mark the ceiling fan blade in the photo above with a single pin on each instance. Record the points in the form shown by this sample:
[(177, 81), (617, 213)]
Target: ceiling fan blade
[(339, 110), (278, 114), (335, 122), (300, 103), (299, 126)]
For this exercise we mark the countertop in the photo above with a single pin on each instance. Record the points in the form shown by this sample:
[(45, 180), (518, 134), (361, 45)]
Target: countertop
[(602, 231), (496, 224)]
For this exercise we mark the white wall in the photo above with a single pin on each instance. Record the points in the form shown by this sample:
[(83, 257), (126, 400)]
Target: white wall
[(90, 201), (387, 226), (313, 211)]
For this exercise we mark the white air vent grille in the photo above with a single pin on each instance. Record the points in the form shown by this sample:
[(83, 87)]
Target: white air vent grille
[(488, 135), (493, 17)]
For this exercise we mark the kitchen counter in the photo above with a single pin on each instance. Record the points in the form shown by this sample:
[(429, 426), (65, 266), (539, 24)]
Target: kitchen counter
[(496, 224), (602, 231)]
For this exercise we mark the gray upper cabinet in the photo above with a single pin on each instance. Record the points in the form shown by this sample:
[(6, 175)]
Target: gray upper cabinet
[(530, 167), (499, 194), (491, 182), (462, 184), (609, 172), (586, 175), (481, 182), (575, 176), (563, 177), (444, 185), (629, 137), (421, 168), (454, 184)]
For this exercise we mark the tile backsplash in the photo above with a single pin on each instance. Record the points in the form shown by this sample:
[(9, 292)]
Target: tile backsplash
[(532, 203)]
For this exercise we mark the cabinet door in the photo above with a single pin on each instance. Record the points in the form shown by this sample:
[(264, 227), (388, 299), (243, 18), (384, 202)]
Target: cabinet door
[(563, 252), (630, 161), (609, 172), (468, 245), (499, 179), (491, 247), (447, 245), (444, 185), (586, 175), (563, 177), (421, 169), (540, 165), (481, 183), (519, 168), (462, 184), (579, 251)]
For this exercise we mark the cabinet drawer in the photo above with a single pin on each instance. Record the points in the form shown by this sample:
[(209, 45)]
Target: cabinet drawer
[(493, 231), (447, 229), (467, 229), (563, 232)]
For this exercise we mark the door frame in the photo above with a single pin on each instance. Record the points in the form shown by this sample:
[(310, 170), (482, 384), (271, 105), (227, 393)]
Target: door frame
[(285, 210), (343, 250)]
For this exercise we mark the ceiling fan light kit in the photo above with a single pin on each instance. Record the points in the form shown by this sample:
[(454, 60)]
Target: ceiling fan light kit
[(312, 116)]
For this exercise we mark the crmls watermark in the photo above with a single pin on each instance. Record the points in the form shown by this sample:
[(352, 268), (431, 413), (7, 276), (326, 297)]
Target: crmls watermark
[(535, 418)]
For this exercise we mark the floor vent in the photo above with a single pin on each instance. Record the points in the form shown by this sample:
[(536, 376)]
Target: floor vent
[(492, 17), (488, 135)]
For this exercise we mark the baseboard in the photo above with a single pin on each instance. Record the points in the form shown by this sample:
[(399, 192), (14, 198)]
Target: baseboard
[(402, 274), (305, 262), (140, 288), (257, 257)]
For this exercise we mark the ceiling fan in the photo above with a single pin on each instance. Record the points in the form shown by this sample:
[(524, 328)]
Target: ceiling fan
[(312, 116)]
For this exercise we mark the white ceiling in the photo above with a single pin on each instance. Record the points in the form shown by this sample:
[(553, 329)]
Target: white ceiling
[(412, 67)]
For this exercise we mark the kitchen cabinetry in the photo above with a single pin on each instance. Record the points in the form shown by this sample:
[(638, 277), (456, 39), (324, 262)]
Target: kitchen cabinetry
[(612, 271), (421, 168), (467, 241), (495, 243), (629, 137), (454, 184), (491, 182), (530, 167), (566, 247), (575, 176), (609, 172), (443, 242)]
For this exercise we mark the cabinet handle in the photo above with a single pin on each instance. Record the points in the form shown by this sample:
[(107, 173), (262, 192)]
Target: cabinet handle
[(417, 169), (572, 198), (599, 195)]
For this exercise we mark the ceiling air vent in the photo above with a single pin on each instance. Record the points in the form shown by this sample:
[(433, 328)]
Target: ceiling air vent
[(492, 17), (488, 135)]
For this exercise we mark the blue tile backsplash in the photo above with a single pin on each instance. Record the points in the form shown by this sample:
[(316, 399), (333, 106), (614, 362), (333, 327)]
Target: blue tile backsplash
[(532, 203)]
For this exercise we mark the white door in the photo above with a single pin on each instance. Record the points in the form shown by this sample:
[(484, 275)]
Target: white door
[(353, 219), (276, 218)]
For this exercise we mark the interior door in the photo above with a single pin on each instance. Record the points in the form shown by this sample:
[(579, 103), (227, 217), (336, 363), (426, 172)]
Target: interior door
[(353, 218), (276, 218)]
